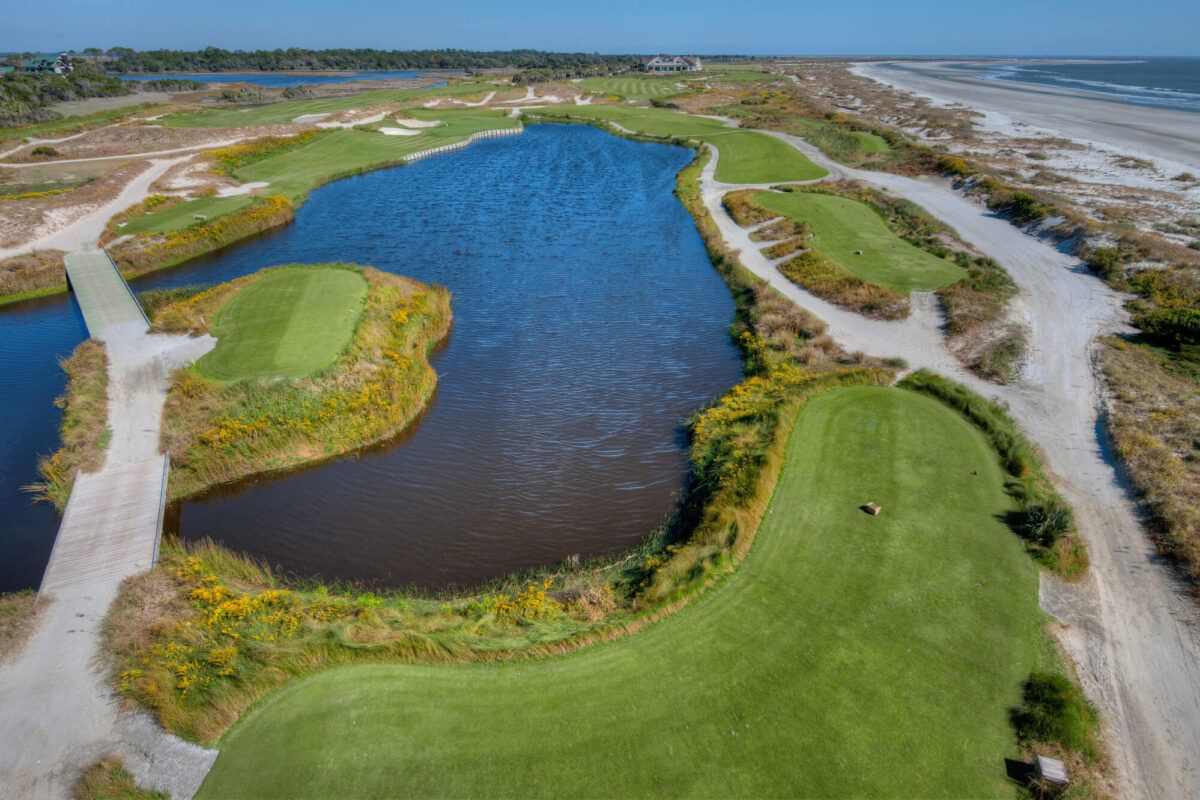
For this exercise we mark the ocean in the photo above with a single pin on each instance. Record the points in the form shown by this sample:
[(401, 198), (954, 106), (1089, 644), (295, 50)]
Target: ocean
[(1162, 82)]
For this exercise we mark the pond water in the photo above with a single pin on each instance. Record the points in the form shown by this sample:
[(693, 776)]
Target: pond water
[(588, 325)]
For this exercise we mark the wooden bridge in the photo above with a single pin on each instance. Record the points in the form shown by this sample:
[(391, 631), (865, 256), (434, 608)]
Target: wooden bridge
[(103, 295)]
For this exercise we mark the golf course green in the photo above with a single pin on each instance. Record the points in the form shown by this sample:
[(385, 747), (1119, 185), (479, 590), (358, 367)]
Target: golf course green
[(857, 238), (746, 156), (290, 323), (849, 656), (634, 88)]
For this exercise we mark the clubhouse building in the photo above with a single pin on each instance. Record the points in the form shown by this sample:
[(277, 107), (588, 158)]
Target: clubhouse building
[(669, 64)]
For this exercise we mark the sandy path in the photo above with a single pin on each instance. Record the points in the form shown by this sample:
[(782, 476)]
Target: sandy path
[(57, 712), (84, 232), (1087, 116), (1132, 631)]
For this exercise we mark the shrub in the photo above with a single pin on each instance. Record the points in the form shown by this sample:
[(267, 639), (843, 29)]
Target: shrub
[(1046, 522), (1054, 710), (1174, 328), (1106, 261), (43, 151), (954, 165)]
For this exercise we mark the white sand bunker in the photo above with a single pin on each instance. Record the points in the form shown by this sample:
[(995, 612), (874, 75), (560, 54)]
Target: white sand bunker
[(245, 188), (371, 120), (304, 119), (417, 123), (398, 132)]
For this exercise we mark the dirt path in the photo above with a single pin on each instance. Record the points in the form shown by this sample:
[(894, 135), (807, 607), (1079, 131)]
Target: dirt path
[(84, 232), (1131, 629), (128, 156)]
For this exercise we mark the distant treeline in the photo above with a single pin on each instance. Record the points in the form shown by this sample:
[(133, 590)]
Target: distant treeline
[(25, 98), (215, 59)]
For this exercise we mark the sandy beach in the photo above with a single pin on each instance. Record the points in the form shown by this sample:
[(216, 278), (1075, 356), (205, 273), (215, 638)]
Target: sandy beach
[(1090, 116)]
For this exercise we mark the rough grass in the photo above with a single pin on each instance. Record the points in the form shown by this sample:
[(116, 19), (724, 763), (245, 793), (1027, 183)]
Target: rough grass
[(843, 227), (291, 323), (218, 431), (1154, 422), (844, 639), (24, 277), (18, 615), (108, 779), (830, 281), (84, 430)]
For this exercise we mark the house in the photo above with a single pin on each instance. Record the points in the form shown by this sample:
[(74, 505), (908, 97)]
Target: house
[(669, 64), (59, 65)]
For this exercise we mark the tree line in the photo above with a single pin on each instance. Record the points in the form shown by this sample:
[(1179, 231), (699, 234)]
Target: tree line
[(215, 59)]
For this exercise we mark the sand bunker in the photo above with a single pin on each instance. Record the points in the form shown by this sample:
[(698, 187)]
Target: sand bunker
[(417, 123), (398, 132), (245, 188), (304, 119)]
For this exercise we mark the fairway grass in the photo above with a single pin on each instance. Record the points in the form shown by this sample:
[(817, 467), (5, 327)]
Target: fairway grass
[(291, 323), (849, 655), (181, 216), (297, 171), (746, 156), (843, 226), (635, 88)]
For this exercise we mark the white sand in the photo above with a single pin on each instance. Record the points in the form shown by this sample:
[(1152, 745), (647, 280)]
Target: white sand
[(416, 123), (398, 132), (245, 188), (304, 119), (371, 120)]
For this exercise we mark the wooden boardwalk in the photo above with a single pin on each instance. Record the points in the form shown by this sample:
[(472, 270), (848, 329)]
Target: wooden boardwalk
[(103, 295)]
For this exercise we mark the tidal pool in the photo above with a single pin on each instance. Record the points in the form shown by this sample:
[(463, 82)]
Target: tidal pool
[(588, 325)]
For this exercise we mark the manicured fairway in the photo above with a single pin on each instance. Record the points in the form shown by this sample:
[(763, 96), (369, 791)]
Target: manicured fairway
[(872, 142), (183, 215), (635, 88), (746, 156), (843, 225), (286, 112), (293, 322), (849, 656), (294, 173)]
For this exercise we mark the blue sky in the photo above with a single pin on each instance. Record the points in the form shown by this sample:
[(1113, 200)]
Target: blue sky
[(919, 27)]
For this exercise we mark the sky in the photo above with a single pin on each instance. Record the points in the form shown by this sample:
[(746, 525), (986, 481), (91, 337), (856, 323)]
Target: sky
[(751, 27)]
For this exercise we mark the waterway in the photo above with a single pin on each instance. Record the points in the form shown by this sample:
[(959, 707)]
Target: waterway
[(589, 325)]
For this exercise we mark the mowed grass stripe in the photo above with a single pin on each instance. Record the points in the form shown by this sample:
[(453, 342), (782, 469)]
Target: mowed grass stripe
[(291, 323), (849, 656), (843, 226)]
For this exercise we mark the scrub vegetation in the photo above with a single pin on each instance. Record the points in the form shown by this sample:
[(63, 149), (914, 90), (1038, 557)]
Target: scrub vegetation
[(311, 363), (32, 275), (18, 614), (84, 430), (108, 779)]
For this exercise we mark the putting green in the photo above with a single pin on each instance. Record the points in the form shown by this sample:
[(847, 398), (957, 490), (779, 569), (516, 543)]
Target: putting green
[(849, 655), (635, 88), (844, 226), (290, 323)]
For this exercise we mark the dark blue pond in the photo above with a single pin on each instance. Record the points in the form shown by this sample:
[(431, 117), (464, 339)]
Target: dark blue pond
[(589, 325)]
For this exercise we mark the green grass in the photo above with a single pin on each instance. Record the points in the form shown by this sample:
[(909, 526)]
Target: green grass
[(285, 112), (333, 153), (849, 656), (843, 225), (746, 156), (291, 323), (872, 142), (182, 216), (634, 88)]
